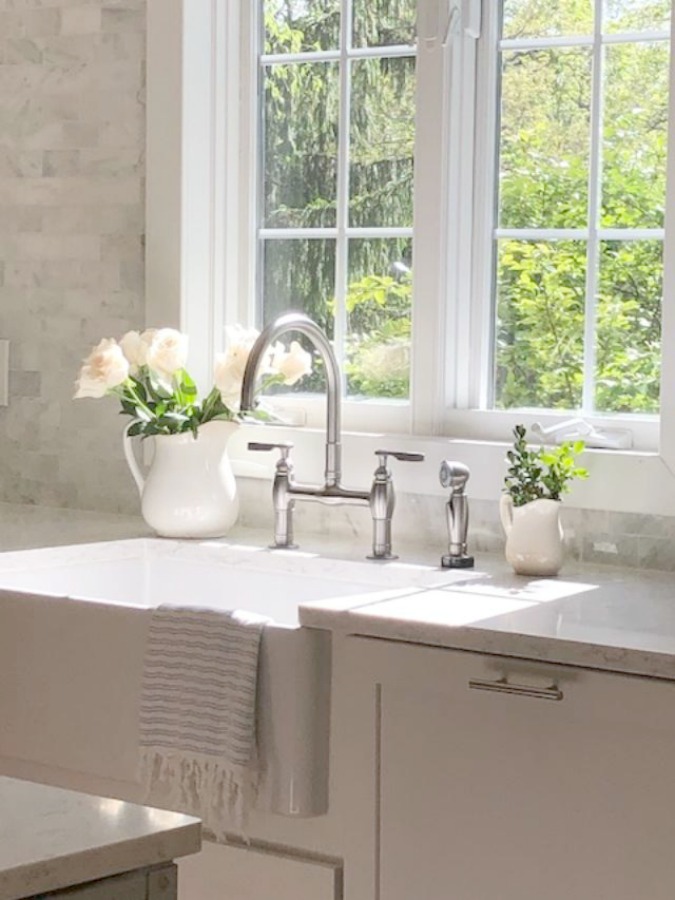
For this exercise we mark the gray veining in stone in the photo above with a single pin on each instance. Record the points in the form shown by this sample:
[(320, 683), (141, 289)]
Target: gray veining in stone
[(52, 838), (72, 119)]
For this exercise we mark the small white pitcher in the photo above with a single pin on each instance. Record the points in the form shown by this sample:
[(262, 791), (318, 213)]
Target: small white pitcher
[(534, 538), (189, 490)]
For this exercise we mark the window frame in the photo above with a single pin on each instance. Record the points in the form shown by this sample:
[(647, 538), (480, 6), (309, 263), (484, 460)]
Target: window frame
[(195, 205)]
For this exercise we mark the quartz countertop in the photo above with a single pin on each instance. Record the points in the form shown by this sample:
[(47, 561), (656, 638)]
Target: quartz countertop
[(598, 617), (612, 619), (52, 839)]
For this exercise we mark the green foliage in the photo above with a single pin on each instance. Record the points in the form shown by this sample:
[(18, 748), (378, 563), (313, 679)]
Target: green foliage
[(541, 315), (378, 348), (159, 408), (543, 473)]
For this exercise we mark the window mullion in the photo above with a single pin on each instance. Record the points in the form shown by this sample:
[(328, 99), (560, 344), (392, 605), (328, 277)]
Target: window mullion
[(438, 216), (428, 221), (342, 211), (485, 179), (594, 191)]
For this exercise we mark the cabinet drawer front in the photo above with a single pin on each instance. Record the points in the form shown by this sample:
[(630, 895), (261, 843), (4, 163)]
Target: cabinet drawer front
[(488, 789), (222, 872)]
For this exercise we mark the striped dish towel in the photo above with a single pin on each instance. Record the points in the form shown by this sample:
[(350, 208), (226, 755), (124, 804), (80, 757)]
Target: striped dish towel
[(197, 712)]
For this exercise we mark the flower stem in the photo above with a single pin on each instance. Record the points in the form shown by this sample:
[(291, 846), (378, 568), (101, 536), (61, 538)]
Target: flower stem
[(128, 389)]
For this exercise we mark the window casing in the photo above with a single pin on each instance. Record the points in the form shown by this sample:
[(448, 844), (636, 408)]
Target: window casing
[(188, 274)]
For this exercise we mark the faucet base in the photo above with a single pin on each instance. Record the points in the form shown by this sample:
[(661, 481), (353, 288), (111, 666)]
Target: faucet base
[(384, 556), (282, 546), (457, 562)]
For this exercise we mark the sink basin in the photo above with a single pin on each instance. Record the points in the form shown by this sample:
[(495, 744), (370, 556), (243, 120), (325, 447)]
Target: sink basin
[(145, 573), (72, 637)]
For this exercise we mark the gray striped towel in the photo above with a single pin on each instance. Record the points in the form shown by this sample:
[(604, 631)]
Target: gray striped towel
[(197, 712)]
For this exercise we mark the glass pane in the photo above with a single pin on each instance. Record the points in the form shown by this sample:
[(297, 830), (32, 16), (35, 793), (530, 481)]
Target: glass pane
[(635, 131), (382, 142), (379, 295), (636, 15), (545, 136), (299, 275), (293, 26), (543, 18), (629, 326), (383, 23), (300, 145), (540, 324)]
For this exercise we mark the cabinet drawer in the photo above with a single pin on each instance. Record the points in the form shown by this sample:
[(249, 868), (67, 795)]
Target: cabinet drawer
[(504, 778), (239, 873)]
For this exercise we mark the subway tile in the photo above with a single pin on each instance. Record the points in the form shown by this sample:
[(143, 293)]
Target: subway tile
[(72, 121)]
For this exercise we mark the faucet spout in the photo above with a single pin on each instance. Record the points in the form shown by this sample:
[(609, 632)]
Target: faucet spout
[(296, 321)]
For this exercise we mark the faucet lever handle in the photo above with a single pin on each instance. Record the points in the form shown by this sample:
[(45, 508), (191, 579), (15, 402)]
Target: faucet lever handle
[(401, 455), (284, 447)]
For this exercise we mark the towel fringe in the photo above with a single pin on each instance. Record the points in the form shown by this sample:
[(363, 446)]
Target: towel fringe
[(199, 785)]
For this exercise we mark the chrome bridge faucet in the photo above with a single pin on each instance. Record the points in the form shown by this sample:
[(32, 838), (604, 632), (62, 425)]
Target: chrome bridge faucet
[(286, 490)]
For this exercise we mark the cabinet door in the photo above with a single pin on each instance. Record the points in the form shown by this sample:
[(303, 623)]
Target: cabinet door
[(484, 794)]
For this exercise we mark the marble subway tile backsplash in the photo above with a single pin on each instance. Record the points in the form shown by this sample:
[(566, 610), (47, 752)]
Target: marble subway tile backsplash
[(72, 142), (596, 537)]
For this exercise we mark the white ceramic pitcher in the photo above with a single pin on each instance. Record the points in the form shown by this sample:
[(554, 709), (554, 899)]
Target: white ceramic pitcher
[(534, 538), (189, 490)]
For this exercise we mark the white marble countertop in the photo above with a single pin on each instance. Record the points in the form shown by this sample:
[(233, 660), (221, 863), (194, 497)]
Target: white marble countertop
[(600, 617), (51, 838), (614, 619)]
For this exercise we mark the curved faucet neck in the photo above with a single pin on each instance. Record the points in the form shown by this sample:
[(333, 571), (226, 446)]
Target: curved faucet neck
[(304, 325)]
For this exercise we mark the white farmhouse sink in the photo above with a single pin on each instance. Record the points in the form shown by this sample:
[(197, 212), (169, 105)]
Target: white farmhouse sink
[(73, 622)]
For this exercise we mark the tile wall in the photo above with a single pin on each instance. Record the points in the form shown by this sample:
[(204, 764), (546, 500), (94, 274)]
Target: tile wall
[(72, 137), (597, 537)]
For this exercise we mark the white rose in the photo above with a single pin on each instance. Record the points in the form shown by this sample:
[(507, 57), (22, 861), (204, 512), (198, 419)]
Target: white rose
[(292, 365), (229, 368), (135, 347), (227, 377), (106, 367), (167, 352)]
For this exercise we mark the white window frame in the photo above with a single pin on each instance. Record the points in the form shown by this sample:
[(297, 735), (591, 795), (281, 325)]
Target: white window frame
[(468, 388), (198, 224)]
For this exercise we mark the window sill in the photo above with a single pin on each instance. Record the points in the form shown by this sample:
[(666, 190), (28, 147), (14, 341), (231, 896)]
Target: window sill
[(620, 481)]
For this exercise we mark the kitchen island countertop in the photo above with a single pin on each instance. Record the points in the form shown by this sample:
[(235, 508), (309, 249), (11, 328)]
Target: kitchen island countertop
[(52, 838)]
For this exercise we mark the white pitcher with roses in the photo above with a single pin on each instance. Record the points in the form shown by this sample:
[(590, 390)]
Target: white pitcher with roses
[(188, 490)]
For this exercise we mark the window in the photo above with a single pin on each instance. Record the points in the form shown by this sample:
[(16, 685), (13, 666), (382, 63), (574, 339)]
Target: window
[(572, 314), (581, 198), (495, 234), (335, 142)]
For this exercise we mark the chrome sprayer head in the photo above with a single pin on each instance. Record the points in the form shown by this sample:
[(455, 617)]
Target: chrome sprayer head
[(454, 475)]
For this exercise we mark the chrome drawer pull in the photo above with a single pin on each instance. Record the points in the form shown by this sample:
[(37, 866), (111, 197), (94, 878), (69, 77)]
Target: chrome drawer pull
[(502, 686)]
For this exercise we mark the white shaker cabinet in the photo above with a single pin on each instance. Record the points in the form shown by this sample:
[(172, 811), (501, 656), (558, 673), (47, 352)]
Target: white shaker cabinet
[(563, 789)]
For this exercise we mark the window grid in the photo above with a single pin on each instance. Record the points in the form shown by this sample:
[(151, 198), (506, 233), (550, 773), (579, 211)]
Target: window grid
[(593, 234), (342, 233)]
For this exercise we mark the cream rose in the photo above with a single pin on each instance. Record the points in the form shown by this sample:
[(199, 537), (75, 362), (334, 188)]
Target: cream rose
[(293, 364), (167, 352), (105, 368), (135, 347), (230, 365)]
